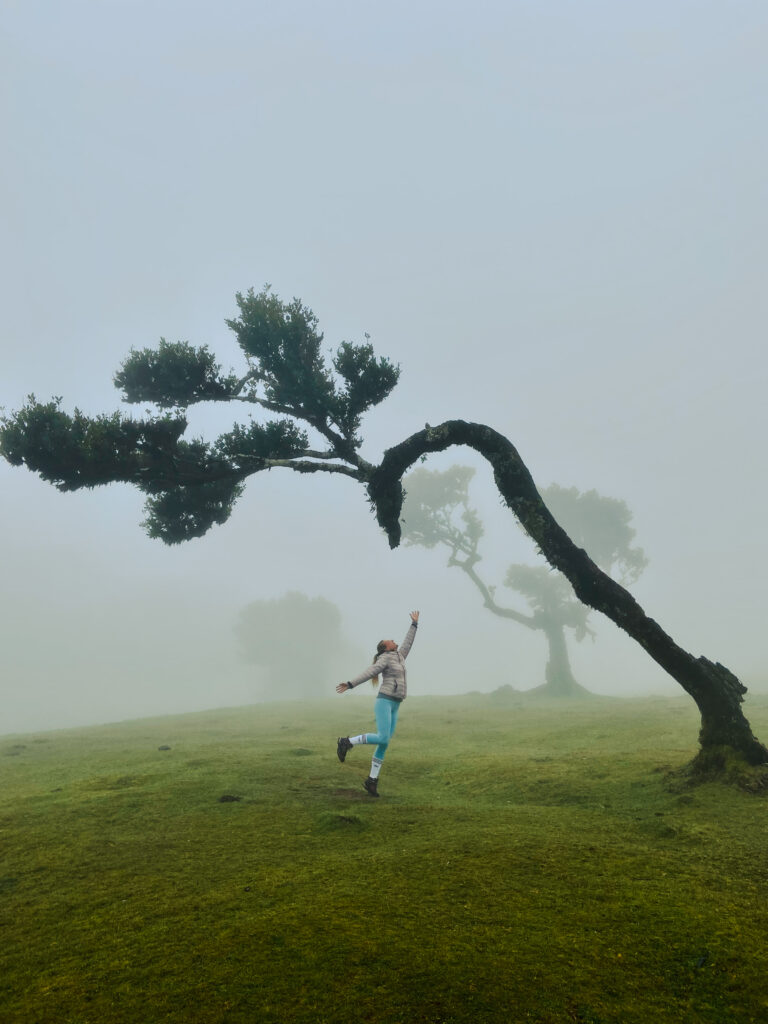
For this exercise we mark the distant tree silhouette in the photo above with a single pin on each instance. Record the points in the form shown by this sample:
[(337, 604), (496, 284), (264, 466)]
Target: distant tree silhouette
[(192, 484), (297, 640), (437, 512)]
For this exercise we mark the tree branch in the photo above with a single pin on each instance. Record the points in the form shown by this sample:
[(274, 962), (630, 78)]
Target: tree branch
[(302, 466), (342, 447), (488, 599)]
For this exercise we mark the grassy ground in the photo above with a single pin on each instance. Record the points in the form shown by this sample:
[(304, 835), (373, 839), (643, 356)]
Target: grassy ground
[(525, 863)]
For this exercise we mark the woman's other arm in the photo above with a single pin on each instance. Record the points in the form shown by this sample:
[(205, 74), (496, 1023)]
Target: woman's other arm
[(410, 636)]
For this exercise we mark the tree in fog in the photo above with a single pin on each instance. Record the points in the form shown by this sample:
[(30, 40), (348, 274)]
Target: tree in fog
[(190, 483), (297, 641), (437, 512)]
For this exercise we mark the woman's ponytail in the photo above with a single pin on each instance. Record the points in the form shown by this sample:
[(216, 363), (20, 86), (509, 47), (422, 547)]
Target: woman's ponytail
[(380, 649)]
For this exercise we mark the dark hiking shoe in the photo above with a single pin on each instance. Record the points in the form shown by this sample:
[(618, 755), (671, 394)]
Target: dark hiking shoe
[(372, 786), (342, 747)]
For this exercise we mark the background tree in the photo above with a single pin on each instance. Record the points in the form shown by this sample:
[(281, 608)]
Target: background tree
[(192, 484), (437, 512), (297, 640)]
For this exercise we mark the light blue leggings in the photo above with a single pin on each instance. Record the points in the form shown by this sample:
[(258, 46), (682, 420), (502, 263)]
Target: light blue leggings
[(386, 720)]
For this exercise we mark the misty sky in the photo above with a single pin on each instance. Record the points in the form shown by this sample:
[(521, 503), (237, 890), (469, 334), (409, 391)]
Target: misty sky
[(553, 216)]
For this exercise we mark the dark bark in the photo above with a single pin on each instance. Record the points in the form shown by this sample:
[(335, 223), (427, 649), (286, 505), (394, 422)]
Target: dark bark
[(717, 692)]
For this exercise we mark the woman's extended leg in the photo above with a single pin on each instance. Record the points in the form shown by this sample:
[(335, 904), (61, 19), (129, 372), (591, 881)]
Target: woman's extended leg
[(386, 720)]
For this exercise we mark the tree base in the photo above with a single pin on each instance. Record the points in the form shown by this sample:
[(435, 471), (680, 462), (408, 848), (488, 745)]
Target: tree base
[(724, 765), (550, 691)]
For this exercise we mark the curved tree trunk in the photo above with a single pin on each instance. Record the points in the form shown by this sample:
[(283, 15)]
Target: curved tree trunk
[(717, 692)]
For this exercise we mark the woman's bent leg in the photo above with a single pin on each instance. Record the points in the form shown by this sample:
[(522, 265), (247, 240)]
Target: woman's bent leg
[(386, 720)]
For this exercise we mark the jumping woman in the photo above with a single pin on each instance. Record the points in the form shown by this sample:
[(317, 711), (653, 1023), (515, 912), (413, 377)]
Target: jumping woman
[(389, 663)]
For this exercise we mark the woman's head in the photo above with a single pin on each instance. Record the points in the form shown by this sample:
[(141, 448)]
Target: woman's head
[(382, 647)]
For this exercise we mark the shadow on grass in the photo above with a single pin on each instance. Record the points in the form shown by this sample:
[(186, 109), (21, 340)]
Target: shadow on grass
[(333, 822), (353, 794)]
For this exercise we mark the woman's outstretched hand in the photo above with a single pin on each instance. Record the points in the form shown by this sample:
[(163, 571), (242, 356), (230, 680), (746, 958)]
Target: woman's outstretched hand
[(342, 688), (414, 616)]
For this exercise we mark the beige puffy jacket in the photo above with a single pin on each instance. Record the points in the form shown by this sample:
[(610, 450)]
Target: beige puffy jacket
[(391, 667)]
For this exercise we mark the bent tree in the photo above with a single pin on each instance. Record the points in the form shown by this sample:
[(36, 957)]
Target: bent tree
[(437, 513), (192, 484)]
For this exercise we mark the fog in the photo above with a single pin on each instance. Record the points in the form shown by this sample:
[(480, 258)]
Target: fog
[(553, 216)]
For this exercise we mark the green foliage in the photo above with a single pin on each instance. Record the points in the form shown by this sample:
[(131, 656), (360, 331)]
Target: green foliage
[(282, 343), (550, 596), (600, 525), (193, 484), (436, 509), (543, 588), (515, 868), (298, 641), (367, 381), (182, 513), (76, 451), (278, 439), (174, 375)]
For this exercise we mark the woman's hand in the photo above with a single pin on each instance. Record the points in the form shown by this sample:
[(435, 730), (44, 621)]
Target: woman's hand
[(414, 616), (342, 688)]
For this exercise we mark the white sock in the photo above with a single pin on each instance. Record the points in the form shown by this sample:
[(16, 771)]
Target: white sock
[(357, 740), (375, 767)]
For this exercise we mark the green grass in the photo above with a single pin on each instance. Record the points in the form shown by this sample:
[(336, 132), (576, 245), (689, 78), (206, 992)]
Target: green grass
[(524, 863)]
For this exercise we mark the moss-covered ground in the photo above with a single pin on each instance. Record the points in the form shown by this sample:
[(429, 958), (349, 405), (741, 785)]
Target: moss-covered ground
[(525, 863)]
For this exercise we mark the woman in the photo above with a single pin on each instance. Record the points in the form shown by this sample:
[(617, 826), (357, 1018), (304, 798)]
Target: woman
[(389, 663)]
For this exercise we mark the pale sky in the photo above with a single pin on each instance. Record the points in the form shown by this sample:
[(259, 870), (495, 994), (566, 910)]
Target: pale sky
[(552, 215)]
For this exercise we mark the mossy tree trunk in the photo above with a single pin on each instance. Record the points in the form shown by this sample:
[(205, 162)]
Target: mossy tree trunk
[(716, 690)]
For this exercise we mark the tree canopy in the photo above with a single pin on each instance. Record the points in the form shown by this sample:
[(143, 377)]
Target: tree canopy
[(192, 484), (298, 641)]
